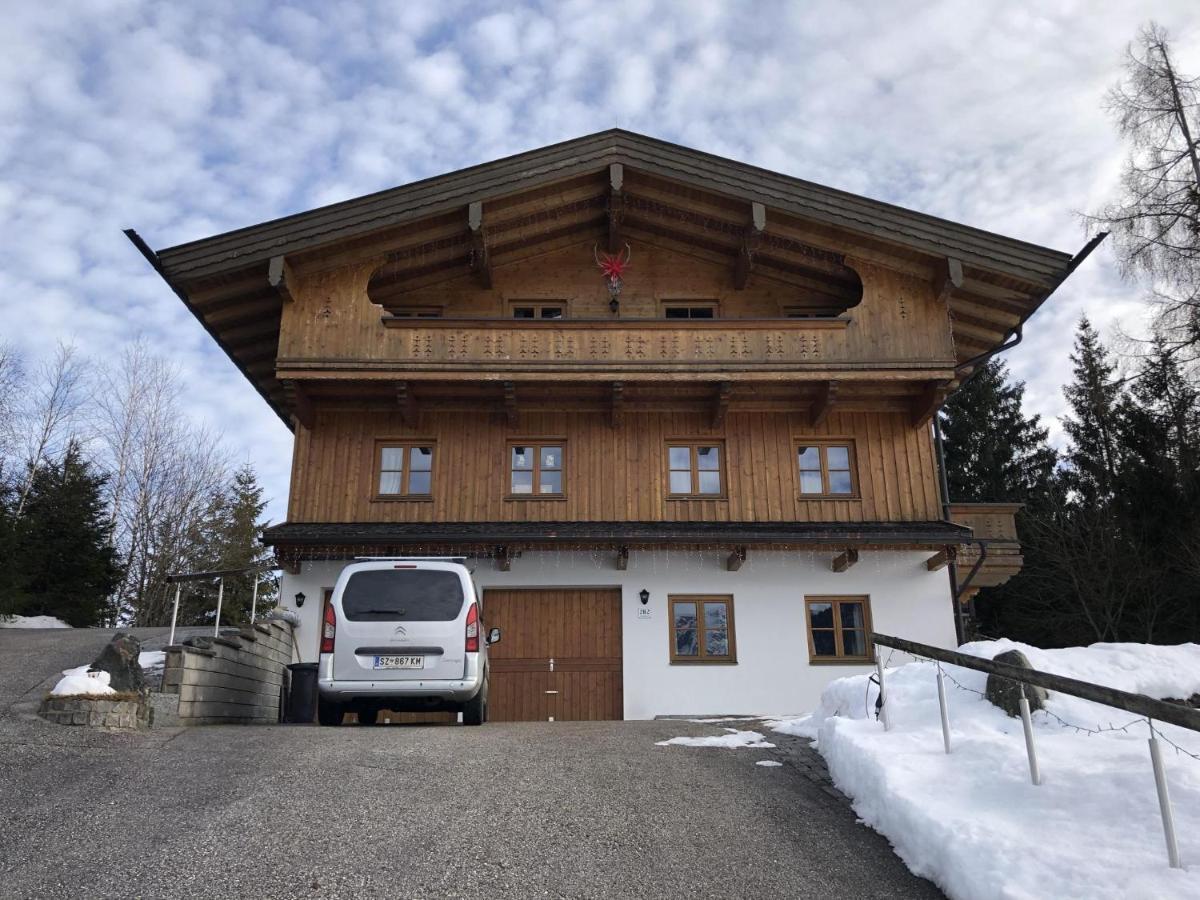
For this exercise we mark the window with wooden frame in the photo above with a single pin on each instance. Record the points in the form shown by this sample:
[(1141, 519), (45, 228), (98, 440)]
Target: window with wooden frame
[(808, 312), (537, 469), (538, 309), (695, 468), (702, 629), (405, 470), (689, 309), (839, 629), (827, 468)]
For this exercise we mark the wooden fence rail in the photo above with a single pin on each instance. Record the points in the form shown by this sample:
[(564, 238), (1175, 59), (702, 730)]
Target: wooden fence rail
[(1159, 710)]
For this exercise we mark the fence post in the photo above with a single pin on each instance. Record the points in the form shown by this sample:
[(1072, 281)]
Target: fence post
[(175, 612), (220, 597), (883, 707), (1164, 801), (945, 709), (1035, 774), (254, 600)]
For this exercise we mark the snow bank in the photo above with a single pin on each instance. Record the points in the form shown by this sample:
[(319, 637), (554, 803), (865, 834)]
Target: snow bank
[(974, 824), (733, 740), (32, 622), (81, 681), (152, 659)]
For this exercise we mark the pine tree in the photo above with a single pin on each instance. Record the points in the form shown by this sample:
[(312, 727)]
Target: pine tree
[(993, 451), (1092, 425), (63, 564)]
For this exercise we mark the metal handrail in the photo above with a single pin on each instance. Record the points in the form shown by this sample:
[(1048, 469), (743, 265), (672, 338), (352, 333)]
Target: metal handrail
[(179, 578)]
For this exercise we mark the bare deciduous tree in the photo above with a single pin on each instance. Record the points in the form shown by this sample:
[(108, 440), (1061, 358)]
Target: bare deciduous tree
[(12, 378), (1156, 219), (50, 412)]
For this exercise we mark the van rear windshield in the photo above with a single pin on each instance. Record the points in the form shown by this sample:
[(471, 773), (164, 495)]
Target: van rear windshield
[(412, 595)]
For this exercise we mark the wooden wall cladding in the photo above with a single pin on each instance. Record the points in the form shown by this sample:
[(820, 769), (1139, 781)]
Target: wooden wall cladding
[(612, 474)]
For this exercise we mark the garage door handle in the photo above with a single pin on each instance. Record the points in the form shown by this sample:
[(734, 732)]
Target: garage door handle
[(551, 692)]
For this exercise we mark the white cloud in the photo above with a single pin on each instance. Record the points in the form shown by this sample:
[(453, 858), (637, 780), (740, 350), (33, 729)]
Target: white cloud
[(187, 119)]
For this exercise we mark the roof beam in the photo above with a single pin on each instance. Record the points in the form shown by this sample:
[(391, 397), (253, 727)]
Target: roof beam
[(616, 403), (735, 560), (752, 236), (844, 560), (510, 403), (298, 402), (279, 276), (481, 264), (504, 559), (622, 559), (823, 404), (940, 559), (721, 403), (926, 404), (949, 278), (616, 205), (407, 403)]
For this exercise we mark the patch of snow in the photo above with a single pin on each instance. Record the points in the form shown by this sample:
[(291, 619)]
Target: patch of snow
[(80, 681), (32, 622), (973, 823), (798, 726), (152, 659), (719, 720), (768, 762), (733, 740)]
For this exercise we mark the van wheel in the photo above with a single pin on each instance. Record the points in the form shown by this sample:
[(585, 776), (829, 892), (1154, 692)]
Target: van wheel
[(329, 713), (368, 716), (474, 711)]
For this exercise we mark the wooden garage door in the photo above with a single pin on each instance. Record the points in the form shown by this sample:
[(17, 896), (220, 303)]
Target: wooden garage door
[(579, 630)]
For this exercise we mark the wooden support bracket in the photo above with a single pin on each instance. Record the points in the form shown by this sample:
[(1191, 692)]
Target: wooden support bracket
[(298, 401), (940, 560), (721, 403), (845, 560), (480, 260), (949, 279), (622, 559), (278, 276), (617, 407), (925, 405), (407, 403), (616, 205), (736, 558), (510, 403), (504, 559), (752, 236), (823, 405)]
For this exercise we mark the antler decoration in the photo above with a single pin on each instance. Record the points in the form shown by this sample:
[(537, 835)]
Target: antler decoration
[(612, 267)]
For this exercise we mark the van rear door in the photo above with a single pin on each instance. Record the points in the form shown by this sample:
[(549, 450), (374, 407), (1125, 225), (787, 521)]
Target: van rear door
[(401, 623)]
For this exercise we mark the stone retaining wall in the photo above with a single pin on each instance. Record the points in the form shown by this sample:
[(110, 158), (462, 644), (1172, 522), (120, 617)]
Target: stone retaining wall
[(96, 711), (230, 679)]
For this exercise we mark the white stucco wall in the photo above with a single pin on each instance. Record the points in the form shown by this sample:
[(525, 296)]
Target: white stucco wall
[(772, 674)]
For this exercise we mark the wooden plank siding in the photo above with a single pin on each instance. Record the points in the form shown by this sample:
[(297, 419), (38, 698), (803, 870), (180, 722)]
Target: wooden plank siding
[(612, 474)]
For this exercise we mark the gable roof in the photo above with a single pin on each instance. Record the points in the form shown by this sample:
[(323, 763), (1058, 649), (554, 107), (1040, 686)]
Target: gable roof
[(1007, 279)]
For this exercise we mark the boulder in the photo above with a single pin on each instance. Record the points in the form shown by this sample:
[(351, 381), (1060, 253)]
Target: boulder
[(1006, 694), (120, 660)]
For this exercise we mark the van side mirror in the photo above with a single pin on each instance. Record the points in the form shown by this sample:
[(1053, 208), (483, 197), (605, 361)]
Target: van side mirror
[(493, 635)]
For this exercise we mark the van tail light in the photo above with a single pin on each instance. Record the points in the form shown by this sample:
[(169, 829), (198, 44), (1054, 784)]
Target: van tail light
[(473, 628), (328, 629)]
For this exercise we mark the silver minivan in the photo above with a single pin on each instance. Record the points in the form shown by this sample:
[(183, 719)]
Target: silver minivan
[(406, 635)]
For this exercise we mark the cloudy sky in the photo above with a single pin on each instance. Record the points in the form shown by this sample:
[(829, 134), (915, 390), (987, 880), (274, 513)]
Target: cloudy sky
[(186, 119)]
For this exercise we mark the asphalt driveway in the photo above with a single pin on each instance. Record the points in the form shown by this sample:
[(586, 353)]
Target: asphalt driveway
[(513, 810)]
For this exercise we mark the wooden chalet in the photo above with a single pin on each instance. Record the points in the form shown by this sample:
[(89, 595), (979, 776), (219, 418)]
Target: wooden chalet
[(740, 433)]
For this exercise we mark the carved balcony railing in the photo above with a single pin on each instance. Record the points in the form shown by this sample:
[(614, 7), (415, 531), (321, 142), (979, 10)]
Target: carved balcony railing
[(639, 344), (996, 525)]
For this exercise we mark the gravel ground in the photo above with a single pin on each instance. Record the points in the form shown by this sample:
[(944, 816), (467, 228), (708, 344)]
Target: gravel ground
[(508, 810)]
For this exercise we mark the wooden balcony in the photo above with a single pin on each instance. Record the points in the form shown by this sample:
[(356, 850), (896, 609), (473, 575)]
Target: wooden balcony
[(614, 346), (996, 525)]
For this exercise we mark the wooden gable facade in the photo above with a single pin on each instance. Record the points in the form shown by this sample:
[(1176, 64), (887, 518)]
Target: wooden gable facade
[(759, 314)]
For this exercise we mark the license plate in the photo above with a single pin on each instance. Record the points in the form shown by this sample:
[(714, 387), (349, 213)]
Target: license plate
[(399, 662)]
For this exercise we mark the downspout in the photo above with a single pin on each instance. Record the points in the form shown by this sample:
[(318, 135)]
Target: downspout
[(1016, 335)]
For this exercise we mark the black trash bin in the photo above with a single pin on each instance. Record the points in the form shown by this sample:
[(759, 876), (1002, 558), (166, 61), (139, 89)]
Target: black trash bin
[(302, 698)]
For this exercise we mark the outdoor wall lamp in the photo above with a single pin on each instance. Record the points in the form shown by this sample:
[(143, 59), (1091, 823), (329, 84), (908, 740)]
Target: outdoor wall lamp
[(299, 599), (645, 595)]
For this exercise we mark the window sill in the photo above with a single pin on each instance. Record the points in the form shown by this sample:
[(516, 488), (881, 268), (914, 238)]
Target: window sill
[(534, 497), (685, 497), (840, 661), (704, 662), (857, 497), (384, 498)]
